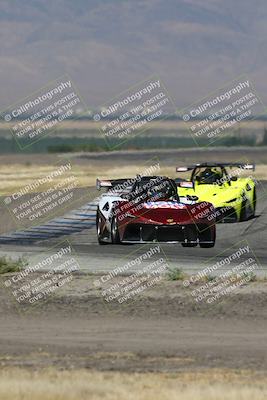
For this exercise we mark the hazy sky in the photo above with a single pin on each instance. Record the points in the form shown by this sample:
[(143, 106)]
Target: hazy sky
[(106, 46)]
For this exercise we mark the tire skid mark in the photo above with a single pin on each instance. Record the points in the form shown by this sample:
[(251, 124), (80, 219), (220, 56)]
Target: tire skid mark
[(73, 222)]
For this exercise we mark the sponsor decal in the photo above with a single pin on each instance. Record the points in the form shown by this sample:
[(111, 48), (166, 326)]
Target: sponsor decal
[(164, 204)]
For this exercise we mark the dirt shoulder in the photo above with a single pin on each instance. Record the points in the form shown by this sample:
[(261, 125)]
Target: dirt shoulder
[(162, 330)]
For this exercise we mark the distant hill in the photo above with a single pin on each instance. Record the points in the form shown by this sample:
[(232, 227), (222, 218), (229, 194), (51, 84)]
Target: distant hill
[(108, 45)]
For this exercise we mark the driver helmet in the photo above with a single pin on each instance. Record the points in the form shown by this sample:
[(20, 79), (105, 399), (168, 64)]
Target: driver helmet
[(210, 175), (160, 192)]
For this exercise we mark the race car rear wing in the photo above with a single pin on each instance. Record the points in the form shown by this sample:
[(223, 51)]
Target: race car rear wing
[(110, 183), (123, 183), (184, 184), (185, 169), (246, 166)]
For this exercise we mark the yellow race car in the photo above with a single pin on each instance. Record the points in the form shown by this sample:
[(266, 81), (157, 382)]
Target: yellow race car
[(224, 185)]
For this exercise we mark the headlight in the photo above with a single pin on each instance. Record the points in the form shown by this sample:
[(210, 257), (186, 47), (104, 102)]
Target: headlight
[(231, 201)]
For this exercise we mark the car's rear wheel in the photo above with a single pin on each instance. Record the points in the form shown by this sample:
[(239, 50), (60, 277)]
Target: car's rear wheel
[(207, 245), (207, 239), (115, 236)]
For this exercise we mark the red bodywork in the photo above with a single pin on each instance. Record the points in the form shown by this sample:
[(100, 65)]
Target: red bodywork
[(166, 221)]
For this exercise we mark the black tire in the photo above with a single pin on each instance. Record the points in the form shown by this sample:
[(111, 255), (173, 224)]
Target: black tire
[(98, 219), (254, 201), (243, 213), (115, 236), (207, 245), (207, 236)]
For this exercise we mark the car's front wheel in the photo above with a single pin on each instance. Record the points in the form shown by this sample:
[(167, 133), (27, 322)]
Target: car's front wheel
[(115, 236), (98, 228)]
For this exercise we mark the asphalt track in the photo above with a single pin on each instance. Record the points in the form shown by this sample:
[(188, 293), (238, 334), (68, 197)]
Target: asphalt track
[(94, 258)]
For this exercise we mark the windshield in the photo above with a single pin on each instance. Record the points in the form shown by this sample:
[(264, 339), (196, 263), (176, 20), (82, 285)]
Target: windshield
[(208, 175), (155, 189)]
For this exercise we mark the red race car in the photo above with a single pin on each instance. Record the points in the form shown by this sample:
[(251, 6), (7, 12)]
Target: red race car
[(148, 209)]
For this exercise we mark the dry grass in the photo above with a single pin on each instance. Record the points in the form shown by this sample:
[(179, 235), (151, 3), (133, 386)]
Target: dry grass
[(8, 265), (13, 177), (18, 384)]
